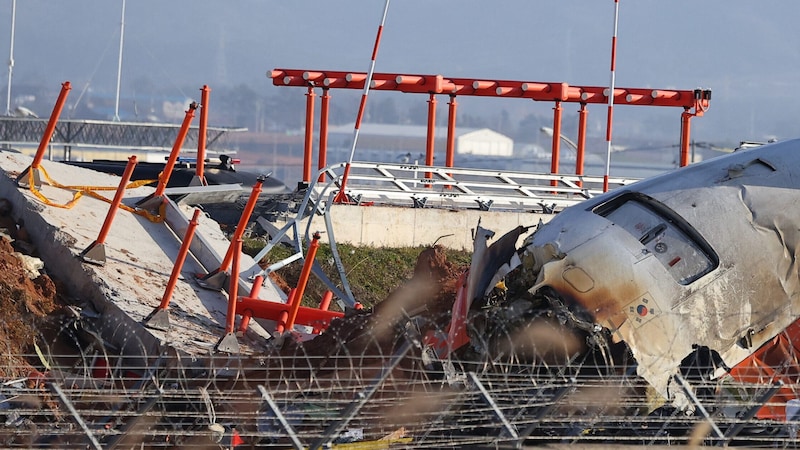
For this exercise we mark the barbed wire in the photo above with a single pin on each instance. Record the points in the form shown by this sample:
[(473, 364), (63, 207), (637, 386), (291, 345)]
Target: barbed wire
[(528, 382)]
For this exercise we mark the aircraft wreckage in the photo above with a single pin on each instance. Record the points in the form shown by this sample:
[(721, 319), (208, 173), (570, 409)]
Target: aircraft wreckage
[(694, 271), (629, 318), (703, 257), (688, 278)]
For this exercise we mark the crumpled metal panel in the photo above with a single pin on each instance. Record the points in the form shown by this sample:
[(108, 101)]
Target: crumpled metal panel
[(742, 205)]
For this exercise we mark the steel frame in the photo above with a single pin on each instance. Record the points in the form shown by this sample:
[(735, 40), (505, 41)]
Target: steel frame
[(693, 102)]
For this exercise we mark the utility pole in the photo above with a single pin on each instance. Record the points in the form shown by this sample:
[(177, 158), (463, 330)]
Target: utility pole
[(119, 62), (11, 56)]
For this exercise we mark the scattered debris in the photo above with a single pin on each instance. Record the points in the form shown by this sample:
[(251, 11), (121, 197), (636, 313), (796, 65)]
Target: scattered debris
[(518, 348)]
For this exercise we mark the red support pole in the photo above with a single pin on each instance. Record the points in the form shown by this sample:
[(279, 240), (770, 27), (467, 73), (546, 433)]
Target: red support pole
[(233, 289), (686, 118), (228, 342), (283, 317), (202, 135), (309, 140), (303, 281), (176, 269), (51, 124), (159, 318), (326, 301), (451, 132), (112, 210), (248, 314), (176, 149), (324, 305), (256, 289), (583, 115), (556, 141), (30, 176), (240, 227), (95, 253), (431, 138), (323, 131), (216, 278)]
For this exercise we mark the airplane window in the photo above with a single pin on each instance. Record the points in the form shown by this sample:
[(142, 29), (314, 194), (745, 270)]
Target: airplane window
[(685, 257)]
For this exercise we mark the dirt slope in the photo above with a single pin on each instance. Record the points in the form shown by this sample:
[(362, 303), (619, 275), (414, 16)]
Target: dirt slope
[(25, 303)]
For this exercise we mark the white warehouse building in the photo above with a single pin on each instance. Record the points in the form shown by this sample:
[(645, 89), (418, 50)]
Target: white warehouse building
[(374, 139), (484, 142)]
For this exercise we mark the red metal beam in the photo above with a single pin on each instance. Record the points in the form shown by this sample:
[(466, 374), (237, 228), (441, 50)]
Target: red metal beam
[(265, 309), (694, 102), (534, 90)]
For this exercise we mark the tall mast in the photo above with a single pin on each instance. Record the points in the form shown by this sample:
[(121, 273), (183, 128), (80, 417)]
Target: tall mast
[(611, 87), (11, 56), (119, 62)]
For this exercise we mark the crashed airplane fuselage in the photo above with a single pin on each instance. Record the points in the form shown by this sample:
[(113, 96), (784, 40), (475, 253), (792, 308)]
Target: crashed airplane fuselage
[(702, 256)]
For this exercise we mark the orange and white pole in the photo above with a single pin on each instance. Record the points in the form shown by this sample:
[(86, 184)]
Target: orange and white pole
[(610, 116), (341, 197)]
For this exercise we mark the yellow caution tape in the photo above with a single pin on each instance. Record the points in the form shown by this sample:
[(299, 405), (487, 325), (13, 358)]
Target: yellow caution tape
[(42, 358), (80, 190)]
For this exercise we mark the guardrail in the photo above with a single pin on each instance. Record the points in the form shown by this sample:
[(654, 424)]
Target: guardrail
[(458, 188)]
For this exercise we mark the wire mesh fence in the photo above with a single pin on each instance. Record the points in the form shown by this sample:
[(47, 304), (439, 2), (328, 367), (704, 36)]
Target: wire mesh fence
[(365, 382)]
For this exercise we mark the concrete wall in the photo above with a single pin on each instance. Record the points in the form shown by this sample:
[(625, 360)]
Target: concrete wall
[(378, 226)]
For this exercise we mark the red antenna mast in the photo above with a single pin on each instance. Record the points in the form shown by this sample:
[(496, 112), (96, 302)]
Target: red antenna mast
[(341, 197), (610, 117)]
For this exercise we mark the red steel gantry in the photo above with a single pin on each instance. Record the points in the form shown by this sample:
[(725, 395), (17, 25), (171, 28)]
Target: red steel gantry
[(694, 103)]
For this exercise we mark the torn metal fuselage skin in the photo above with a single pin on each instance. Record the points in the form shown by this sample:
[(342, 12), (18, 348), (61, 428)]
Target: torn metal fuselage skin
[(704, 255)]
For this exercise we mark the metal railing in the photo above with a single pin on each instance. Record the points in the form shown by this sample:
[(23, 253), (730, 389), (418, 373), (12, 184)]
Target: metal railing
[(459, 188), (103, 133)]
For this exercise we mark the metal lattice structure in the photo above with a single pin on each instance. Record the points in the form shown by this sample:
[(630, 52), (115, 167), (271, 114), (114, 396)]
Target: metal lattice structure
[(104, 134), (459, 188)]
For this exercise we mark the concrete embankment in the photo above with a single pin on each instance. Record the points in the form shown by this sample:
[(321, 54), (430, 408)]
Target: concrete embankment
[(140, 256)]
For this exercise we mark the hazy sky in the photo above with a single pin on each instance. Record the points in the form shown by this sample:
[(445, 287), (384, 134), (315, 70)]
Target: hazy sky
[(747, 53)]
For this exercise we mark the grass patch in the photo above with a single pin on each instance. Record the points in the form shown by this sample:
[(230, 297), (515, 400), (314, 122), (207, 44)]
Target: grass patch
[(372, 273)]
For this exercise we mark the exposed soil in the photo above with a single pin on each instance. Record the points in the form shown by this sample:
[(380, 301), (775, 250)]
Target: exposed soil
[(25, 303)]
